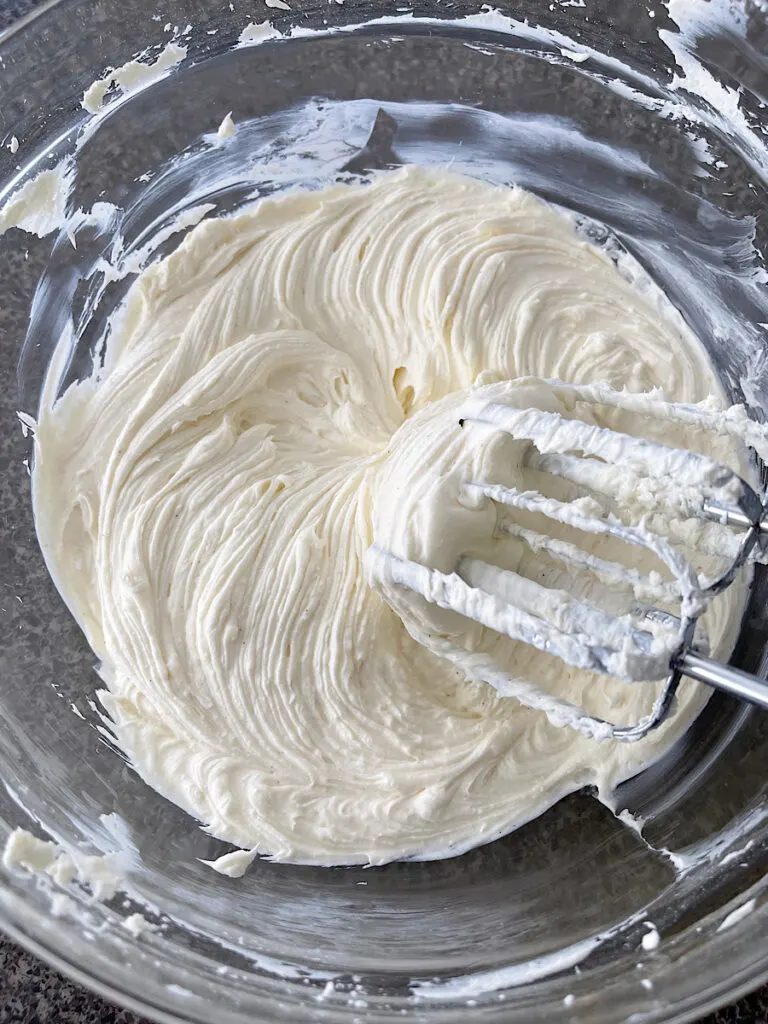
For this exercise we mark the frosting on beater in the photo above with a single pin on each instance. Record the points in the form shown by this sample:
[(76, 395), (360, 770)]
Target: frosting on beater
[(273, 400)]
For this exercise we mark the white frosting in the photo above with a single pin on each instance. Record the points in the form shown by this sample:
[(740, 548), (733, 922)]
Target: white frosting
[(41, 857), (515, 975), (651, 940), (227, 128), (737, 915), (39, 205), (274, 398), (233, 864), (137, 924), (23, 850), (258, 32), (132, 76)]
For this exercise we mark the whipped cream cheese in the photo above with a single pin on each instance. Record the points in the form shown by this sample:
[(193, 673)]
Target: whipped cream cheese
[(132, 76), (272, 402), (43, 858)]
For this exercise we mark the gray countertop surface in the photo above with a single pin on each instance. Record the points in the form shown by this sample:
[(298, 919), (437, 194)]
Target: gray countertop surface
[(31, 992)]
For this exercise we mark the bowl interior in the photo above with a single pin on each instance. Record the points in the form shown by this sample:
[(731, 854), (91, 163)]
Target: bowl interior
[(502, 931)]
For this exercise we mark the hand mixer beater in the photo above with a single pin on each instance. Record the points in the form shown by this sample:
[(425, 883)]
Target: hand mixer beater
[(593, 464)]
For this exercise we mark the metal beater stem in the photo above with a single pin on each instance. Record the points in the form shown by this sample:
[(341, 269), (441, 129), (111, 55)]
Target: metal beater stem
[(724, 677)]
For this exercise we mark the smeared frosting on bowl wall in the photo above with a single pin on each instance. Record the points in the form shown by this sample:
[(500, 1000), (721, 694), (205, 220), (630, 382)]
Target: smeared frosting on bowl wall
[(205, 506), (134, 75)]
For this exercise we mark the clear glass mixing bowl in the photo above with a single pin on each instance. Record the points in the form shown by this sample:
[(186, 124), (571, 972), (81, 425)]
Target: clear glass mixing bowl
[(515, 929)]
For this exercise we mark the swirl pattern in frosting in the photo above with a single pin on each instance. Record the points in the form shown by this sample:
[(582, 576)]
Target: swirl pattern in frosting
[(268, 405)]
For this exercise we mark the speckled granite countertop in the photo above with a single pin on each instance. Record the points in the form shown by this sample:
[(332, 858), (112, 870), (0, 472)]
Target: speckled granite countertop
[(32, 993)]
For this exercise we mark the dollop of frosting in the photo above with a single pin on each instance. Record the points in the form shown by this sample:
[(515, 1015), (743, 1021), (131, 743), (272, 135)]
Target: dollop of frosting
[(272, 401)]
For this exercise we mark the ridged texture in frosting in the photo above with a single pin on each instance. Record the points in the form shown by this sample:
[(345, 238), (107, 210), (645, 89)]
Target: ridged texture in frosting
[(206, 502)]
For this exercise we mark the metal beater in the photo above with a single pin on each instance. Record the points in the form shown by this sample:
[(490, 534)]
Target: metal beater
[(647, 643)]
